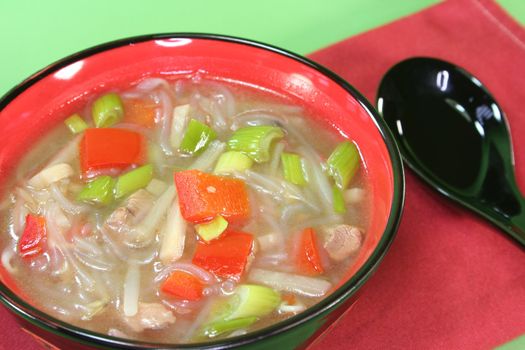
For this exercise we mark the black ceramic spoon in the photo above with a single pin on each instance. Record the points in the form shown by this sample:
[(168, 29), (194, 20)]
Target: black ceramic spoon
[(453, 134)]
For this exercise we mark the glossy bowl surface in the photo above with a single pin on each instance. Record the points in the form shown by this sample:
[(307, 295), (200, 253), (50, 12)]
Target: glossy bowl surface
[(45, 99)]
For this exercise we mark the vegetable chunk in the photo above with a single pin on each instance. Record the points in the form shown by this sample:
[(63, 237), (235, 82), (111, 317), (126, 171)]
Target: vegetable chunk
[(183, 285), (110, 148), (203, 196), (225, 256), (33, 239)]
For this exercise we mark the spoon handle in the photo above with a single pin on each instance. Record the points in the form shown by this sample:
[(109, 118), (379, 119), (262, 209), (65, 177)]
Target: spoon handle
[(517, 225), (509, 214)]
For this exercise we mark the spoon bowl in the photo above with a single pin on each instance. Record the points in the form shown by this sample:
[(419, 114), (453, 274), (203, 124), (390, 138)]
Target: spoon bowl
[(454, 135)]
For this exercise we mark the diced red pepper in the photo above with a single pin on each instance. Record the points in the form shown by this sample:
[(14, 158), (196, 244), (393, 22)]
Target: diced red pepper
[(33, 240), (107, 148), (203, 196), (225, 256), (308, 260), (183, 285), (139, 111)]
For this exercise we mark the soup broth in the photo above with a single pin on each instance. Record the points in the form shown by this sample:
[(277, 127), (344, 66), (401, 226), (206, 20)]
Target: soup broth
[(184, 210)]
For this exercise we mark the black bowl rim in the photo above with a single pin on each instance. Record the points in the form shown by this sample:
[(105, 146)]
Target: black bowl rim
[(49, 323)]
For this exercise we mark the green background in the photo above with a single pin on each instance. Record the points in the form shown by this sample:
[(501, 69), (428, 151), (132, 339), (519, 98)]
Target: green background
[(35, 33)]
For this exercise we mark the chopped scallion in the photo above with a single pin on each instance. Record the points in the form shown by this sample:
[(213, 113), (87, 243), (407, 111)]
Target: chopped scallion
[(197, 137), (98, 191), (339, 201), (343, 163), (293, 168), (76, 124), (133, 180), (255, 141), (212, 229), (107, 110), (232, 161)]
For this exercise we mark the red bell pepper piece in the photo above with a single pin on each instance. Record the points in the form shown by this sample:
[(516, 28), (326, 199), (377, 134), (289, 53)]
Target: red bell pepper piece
[(203, 196), (308, 260), (107, 148), (33, 239), (183, 285), (225, 256), (140, 111)]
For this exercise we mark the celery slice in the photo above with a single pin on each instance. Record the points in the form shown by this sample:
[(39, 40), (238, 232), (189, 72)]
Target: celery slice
[(107, 110), (133, 180), (98, 191), (212, 229), (76, 124), (293, 168), (255, 141), (197, 137), (220, 327), (339, 201), (343, 163), (232, 161)]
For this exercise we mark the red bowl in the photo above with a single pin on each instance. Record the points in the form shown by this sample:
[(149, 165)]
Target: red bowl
[(38, 104)]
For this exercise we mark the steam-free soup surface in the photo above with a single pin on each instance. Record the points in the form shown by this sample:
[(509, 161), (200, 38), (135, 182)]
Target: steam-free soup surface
[(182, 211)]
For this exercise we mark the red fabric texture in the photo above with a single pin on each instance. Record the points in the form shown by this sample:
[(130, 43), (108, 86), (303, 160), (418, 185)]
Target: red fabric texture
[(450, 280)]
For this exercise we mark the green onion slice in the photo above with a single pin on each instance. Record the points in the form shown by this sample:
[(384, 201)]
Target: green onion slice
[(76, 124), (232, 161), (293, 168), (197, 137), (133, 180), (339, 201), (212, 229), (343, 163), (255, 141), (98, 191), (107, 110)]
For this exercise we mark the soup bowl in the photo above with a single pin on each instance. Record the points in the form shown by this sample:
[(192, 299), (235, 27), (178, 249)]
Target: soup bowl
[(45, 99)]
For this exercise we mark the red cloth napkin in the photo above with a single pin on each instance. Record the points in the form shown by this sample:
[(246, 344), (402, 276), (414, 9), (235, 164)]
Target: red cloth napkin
[(450, 280)]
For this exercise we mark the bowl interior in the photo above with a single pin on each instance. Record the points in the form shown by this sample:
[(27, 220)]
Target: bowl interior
[(35, 107)]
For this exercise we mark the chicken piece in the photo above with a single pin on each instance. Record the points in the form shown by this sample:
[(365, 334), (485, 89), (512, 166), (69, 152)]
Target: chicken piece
[(134, 210), (150, 316), (342, 241)]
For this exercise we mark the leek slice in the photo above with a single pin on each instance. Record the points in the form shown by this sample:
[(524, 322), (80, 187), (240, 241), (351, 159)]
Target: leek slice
[(197, 137), (248, 300), (98, 191), (293, 168), (76, 124), (107, 110), (232, 161), (220, 327), (255, 141), (212, 229), (133, 180), (343, 163)]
